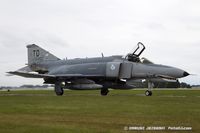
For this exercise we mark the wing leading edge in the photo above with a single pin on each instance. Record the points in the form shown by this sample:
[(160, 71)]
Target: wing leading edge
[(35, 75), (31, 75)]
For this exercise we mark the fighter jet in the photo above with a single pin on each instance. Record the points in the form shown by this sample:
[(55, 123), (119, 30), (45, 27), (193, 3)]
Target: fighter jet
[(116, 72)]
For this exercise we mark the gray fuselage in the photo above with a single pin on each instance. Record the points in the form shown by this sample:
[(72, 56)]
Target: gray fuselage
[(109, 67)]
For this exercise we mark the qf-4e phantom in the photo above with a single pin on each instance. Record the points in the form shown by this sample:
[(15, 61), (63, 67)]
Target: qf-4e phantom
[(116, 72)]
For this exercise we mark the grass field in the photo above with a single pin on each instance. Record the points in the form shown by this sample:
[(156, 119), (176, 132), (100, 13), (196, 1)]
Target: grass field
[(37, 111)]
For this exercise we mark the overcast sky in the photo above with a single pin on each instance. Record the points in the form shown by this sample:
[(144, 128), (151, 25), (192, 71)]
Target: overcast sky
[(170, 29)]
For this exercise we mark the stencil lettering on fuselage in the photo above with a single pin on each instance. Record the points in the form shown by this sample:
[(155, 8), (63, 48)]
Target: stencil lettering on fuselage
[(36, 53)]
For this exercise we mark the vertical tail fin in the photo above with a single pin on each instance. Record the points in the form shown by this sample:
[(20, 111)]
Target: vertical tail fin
[(37, 55)]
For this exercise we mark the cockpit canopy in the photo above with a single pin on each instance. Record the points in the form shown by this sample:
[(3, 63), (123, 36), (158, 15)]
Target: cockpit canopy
[(134, 55)]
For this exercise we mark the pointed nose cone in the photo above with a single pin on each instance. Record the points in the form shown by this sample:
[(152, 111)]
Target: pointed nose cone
[(185, 74)]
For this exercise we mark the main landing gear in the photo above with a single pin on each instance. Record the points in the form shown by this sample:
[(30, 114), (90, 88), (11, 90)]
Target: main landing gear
[(59, 89), (104, 91), (150, 86)]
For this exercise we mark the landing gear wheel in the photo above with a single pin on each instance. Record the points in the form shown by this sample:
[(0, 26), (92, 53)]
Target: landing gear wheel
[(60, 93), (148, 93), (150, 86), (58, 89), (104, 92)]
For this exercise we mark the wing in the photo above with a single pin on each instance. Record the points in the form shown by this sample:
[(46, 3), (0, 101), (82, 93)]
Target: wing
[(36, 75), (31, 75), (77, 75)]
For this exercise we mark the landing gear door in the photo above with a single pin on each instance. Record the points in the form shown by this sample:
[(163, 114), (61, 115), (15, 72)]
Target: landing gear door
[(125, 70), (112, 69)]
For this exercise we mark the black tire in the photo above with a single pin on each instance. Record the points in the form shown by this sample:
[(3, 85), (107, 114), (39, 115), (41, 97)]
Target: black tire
[(59, 93), (148, 93), (104, 91), (58, 89)]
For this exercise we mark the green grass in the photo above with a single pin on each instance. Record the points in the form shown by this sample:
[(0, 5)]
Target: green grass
[(36, 111)]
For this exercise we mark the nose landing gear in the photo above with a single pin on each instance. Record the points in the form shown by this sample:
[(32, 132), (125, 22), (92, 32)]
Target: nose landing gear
[(150, 86), (148, 93)]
